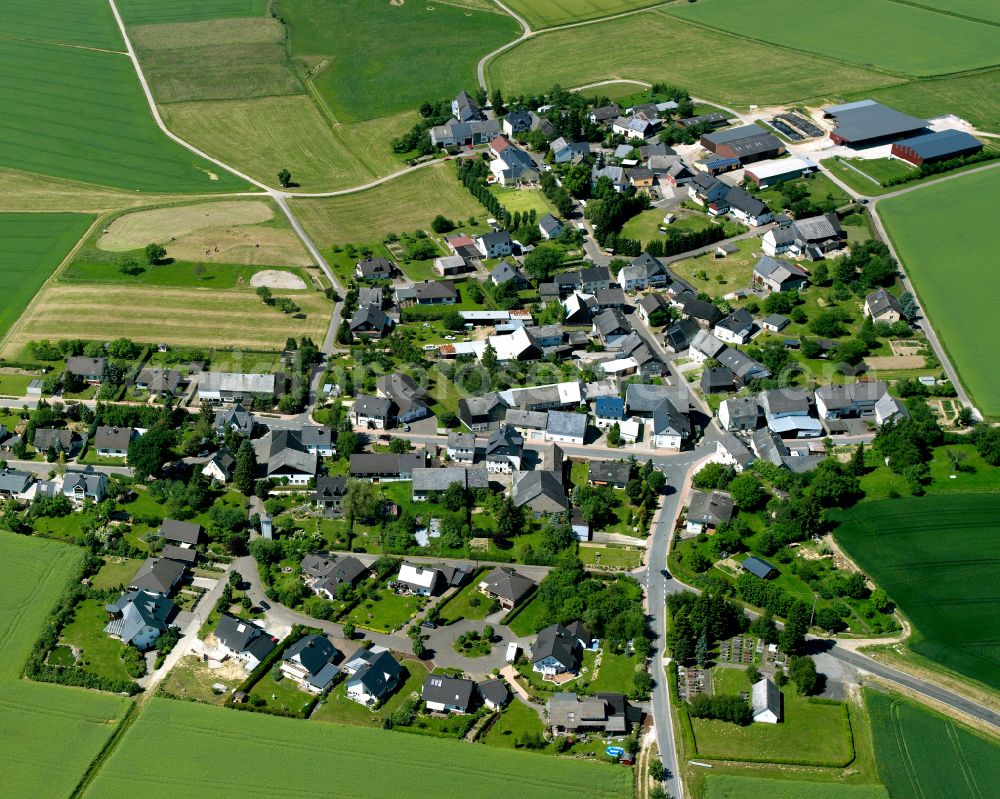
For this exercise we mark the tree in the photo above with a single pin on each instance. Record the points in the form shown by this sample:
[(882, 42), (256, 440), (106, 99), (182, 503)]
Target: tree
[(399, 445), (656, 770), (129, 266), (155, 253), (509, 519), (802, 673), (199, 270), (857, 465), (701, 649), (747, 491), (614, 437), (362, 501), (713, 475), (454, 497), (349, 630), (793, 637), (453, 320), (542, 262), (442, 224), (489, 359), (347, 443), (246, 465), (880, 599), (285, 178), (149, 452)]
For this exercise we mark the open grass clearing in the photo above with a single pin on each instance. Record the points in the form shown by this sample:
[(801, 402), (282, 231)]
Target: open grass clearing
[(812, 732), (179, 316), (928, 228), (31, 247), (920, 753), (523, 200), (139, 12), (880, 481), (469, 603), (611, 557), (387, 612), (115, 572), (192, 678), (547, 13), (49, 733), (928, 43), (740, 72), (83, 23), (293, 757), (230, 231), (370, 60), (727, 786), (407, 203), (937, 558), (531, 619), (221, 59), (62, 120), (263, 135)]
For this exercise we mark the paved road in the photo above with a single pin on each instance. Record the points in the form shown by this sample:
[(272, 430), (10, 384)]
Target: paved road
[(42, 468)]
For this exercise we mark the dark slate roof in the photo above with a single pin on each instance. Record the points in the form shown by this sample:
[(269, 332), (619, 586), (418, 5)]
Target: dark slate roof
[(494, 691), (717, 378), (757, 566), (180, 554), (700, 309), (185, 532), (367, 405), (878, 302), (611, 320), (557, 642), (380, 674), (678, 336), (507, 583), (941, 143), (865, 120), (369, 315), (113, 437), (608, 472), (157, 575), (451, 691), (48, 437), (329, 488), (738, 320), (242, 636), (314, 652), (713, 507)]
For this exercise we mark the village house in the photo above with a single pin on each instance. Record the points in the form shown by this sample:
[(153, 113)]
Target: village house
[(559, 650), (374, 269), (512, 165), (496, 244), (481, 414), (90, 370), (442, 694), (330, 492), (216, 387), (776, 274), (65, 441), (325, 575), (419, 579), (608, 714), (310, 662), (79, 486), (138, 618), (157, 576), (373, 674), (113, 442), (503, 450), (880, 306), (608, 473), (235, 418), (462, 446), (568, 152), (739, 413), (372, 412), (159, 381), (428, 481), (736, 328), (385, 467), (282, 455), (243, 640), (506, 586), (707, 510), (370, 321), (409, 400)]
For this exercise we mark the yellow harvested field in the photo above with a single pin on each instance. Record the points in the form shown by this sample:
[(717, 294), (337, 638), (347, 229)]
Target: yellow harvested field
[(263, 135), (179, 316), (27, 191), (404, 204), (229, 232)]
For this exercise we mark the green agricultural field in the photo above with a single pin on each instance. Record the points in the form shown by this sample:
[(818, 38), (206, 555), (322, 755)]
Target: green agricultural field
[(31, 247), (87, 23), (375, 59), (215, 59), (964, 8), (49, 733), (952, 223), (812, 732), (921, 754), (546, 13), (80, 114), (141, 12), (938, 558), (292, 757), (727, 786), (404, 204), (740, 72), (927, 42), (262, 135)]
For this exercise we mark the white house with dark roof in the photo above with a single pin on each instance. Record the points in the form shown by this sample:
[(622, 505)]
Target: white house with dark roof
[(736, 328), (430, 480), (496, 244), (443, 694), (372, 412), (881, 306), (138, 618), (282, 455), (243, 640), (707, 510), (776, 274), (373, 674), (113, 442), (311, 663), (566, 427), (550, 227), (462, 446)]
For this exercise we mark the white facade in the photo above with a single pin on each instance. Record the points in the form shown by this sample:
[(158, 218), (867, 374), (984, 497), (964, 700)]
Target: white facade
[(667, 441)]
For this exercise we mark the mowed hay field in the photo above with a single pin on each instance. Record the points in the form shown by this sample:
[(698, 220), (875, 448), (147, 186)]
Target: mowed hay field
[(938, 558), (139, 12), (406, 203), (725, 786), (924, 42), (920, 754), (87, 23), (221, 59), (371, 59), (263, 135), (738, 72), (31, 247), (546, 13), (49, 734), (181, 316), (945, 236), (228, 231), (294, 758), (80, 114)]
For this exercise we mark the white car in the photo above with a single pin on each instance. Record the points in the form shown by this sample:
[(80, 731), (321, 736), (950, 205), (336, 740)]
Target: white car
[(449, 338), (429, 347)]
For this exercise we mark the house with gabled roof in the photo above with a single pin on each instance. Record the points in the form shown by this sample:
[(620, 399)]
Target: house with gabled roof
[(503, 450), (157, 576), (678, 336), (373, 674), (235, 418), (374, 413), (735, 328), (282, 455), (506, 586), (481, 413), (311, 663), (370, 321), (611, 327), (90, 370), (374, 269), (707, 510), (765, 701), (243, 640), (880, 306), (138, 617), (776, 274), (113, 442), (559, 650), (79, 486), (443, 694)]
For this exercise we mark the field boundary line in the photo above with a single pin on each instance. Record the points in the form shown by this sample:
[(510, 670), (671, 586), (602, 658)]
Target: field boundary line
[(112, 743), (946, 12), (48, 42), (963, 763), (904, 752)]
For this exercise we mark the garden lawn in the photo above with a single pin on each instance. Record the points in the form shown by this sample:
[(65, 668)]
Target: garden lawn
[(100, 654), (80, 114), (812, 732), (740, 72), (12, 385), (31, 247), (388, 613), (728, 786), (615, 674), (920, 753), (469, 603), (283, 694), (141, 12), (518, 722), (292, 757), (49, 733), (729, 681), (952, 222), (404, 204), (735, 269), (938, 558), (115, 572), (523, 200), (929, 43), (341, 710), (878, 482), (379, 58), (531, 619), (611, 557)]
